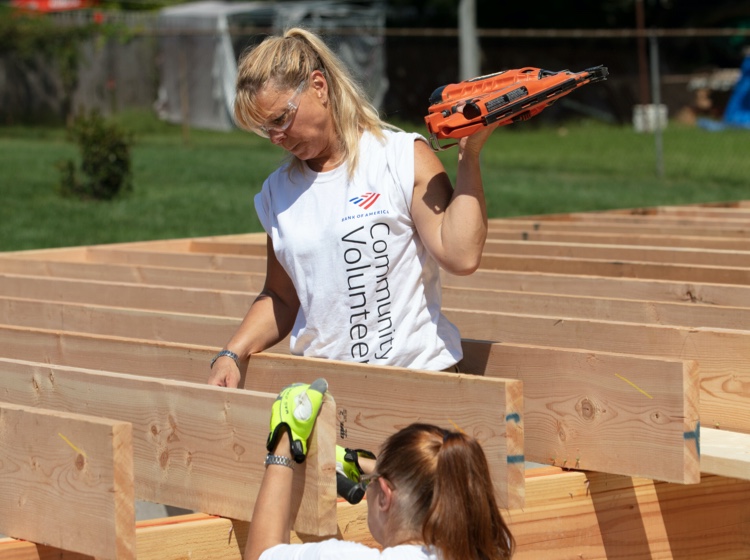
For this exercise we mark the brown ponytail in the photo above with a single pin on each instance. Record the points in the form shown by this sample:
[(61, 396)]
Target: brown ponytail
[(446, 492)]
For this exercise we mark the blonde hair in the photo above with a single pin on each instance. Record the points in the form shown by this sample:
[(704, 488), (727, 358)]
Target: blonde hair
[(286, 62), (446, 493)]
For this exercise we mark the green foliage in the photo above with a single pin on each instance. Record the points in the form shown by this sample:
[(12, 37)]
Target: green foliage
[(105, 159), (206, 187), (32, 38)]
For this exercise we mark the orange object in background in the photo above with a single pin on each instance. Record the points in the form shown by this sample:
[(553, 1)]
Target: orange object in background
[(458, 110), (52, 5)]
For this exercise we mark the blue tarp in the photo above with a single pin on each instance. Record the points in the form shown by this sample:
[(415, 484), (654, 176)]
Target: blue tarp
[(737, 112)]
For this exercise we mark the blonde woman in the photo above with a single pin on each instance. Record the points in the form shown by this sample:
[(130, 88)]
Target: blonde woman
[(360, 219)]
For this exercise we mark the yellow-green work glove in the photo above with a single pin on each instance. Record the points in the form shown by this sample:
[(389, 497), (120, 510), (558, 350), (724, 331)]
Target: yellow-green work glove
[(349, 473), (347, 461), (295, 411)]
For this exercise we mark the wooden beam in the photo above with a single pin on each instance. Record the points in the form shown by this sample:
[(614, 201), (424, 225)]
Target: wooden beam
[(598, 308), (368, 410), (723, 356), (67, 481), (567, 515), (621, 253), (53, 293), (172, 259), (698, 211), (600, 226), (614, 268), (600, 286), (604, 412), (572, 372), (725, 453), (161, 276), (566, 432), (622, 238), (639, 220), (137, 296), (195, 446), (209, 330)]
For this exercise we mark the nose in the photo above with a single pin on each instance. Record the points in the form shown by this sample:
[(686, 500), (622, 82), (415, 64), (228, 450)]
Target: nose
[(277, 137)]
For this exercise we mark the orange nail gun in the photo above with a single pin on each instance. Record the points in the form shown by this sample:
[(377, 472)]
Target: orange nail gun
[(458, 110)]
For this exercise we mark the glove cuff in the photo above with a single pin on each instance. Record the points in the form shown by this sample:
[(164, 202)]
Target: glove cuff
[(353, 455)]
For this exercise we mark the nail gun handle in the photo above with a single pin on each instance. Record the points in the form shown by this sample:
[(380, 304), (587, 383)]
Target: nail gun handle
[(352, 492)]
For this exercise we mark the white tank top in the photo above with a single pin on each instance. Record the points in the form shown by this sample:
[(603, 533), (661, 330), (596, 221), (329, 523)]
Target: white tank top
[(369, 291)]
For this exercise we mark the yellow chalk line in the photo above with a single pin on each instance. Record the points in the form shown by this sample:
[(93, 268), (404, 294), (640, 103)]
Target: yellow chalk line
[(633, 385), (70, 443)]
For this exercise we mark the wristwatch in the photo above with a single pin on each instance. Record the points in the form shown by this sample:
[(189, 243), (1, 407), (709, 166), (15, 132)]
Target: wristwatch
[(279, 460), (229, 354)]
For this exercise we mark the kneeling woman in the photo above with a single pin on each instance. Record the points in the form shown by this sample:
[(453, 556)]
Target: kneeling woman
[(429, 497)]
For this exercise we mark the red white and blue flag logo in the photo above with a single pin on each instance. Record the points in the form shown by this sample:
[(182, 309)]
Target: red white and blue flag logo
[(365, 200)]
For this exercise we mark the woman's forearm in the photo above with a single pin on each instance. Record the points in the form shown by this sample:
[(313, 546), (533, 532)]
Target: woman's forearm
[(270, 524)]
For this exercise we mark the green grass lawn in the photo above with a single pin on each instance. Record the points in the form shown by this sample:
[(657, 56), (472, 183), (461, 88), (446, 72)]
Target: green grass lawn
[(205, 185)]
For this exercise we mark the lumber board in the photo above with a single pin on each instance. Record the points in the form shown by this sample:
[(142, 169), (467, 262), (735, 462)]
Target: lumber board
[(623, 288), (700, 211), (209, 330), (722, 405), (599, 286), (499, 428), (198, 322), (374, 402), (568, 515), (194, 446), (604, 225), (725, 453), (603, 412), (135, 274), (616, 268), (618, 252), (573, 371), (622, 238), (215, 255), (53, 462), (138, 296), (581, 370), (235, 304), (598, 308), (723, 356), (189, 260), (640, 219)]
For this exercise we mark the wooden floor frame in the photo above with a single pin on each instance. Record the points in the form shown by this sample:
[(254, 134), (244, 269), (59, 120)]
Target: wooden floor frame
[(613, 347)]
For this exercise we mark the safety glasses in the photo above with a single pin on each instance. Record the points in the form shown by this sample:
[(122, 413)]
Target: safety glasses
[(285, 119)]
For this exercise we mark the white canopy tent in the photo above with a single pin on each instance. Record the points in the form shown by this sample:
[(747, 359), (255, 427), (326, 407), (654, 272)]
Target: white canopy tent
[(200, 43)]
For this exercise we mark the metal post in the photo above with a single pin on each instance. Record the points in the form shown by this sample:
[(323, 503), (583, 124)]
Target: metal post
[(640, 21), (656, 96), (468, 43)]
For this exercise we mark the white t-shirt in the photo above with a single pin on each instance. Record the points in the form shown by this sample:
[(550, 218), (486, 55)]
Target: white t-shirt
[(369, 290), (334, 549)]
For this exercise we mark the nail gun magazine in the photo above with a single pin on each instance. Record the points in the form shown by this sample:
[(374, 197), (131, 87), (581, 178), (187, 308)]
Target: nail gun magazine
[(458, 110)]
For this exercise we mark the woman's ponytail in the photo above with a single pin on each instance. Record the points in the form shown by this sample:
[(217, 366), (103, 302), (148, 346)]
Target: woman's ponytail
[(446, 494), (464, 520)]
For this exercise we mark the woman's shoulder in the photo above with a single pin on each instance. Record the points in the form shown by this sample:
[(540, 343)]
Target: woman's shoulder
[(334, 549)]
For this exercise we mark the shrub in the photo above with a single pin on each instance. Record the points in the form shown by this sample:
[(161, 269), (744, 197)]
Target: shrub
[(105, 159)]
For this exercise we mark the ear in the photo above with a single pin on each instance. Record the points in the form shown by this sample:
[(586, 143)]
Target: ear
[(319, 84), (385, 496)]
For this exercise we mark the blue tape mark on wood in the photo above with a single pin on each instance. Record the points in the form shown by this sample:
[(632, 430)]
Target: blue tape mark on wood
[(515, 459), (513, 417), (696, 435)]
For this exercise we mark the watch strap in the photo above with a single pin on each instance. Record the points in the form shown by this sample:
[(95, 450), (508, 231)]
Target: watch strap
[(229, 354), (279, 460)]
